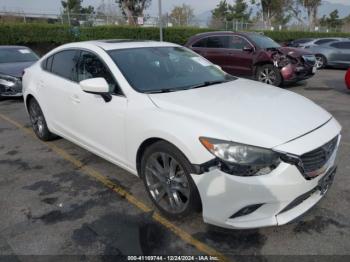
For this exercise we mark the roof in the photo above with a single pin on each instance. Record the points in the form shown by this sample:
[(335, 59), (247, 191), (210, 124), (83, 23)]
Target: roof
[(12, 47), (111, 44)]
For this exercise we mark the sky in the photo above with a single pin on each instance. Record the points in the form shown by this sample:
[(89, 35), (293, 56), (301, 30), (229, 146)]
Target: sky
[(53, 6)]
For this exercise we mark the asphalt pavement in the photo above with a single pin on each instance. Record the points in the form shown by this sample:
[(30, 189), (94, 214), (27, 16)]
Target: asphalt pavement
[(59, 199)]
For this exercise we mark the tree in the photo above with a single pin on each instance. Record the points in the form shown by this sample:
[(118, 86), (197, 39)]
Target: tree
[(294, 8), (75, 12), (311, 7), (133, 8), (225, 12), (71, 6), (332, 20), (75, 7), (240, 11), (182, 15), (109, 10), (272, 10)]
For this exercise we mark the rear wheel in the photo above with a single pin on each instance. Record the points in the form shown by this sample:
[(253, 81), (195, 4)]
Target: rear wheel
[(269, 74), (166, 174), (38, 121), (320, 61)]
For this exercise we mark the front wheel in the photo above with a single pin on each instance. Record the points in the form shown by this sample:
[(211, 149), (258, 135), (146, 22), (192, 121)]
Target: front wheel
[(269, 74), (38, 121), (320, 61), (166, 174)]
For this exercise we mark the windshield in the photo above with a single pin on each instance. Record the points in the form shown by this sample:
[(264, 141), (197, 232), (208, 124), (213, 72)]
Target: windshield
[(263, 41), (16, 55), (165, 69)]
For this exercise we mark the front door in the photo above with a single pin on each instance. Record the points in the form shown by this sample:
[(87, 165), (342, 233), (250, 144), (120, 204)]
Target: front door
[(240, 56), (101, 124)]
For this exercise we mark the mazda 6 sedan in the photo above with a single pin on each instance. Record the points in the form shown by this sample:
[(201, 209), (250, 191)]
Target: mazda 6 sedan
[(243, 153)]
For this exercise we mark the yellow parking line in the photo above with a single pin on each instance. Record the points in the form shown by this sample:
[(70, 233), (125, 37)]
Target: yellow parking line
[(122, 192)]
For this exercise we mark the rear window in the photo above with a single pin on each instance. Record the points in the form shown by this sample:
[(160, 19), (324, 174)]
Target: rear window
[(302, 41), (213, 42), (64, 64), (17, 55), (324, 41), (341, 45)]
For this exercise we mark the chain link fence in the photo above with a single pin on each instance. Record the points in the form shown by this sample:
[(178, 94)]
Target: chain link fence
[(97, 19)]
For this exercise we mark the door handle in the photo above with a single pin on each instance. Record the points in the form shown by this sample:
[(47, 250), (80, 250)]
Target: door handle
[(76, 99)]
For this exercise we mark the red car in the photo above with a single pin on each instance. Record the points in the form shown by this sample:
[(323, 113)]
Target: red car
[(347, 78), (254, 55)]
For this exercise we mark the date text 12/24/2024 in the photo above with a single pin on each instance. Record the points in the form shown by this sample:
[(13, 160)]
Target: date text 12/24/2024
[(173, 258)]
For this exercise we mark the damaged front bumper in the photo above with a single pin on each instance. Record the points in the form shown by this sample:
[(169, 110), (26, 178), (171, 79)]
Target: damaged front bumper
[(303, 68), (10, 86), (276, 198)]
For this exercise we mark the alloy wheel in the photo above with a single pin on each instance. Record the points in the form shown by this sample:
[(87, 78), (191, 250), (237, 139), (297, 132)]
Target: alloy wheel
[(319, 62), (37, 118), (267, 76), (167, 182)]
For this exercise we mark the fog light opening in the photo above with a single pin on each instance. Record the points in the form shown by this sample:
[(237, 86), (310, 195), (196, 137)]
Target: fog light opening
[(246, 210)]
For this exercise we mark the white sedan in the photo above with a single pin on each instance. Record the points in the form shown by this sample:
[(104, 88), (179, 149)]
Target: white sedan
[(245, 153)]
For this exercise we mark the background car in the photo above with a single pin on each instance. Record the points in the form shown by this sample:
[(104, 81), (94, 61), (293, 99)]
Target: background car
[(298, 42), (347, 78), (13, 61), (333, 54), (254, 55), (308, 42)]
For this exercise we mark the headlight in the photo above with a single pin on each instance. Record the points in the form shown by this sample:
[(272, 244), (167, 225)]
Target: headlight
[(241, 159), (8, 81)]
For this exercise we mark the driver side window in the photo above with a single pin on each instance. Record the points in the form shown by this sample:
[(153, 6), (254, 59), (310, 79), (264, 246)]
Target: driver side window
[(238, 43), (90, 66)]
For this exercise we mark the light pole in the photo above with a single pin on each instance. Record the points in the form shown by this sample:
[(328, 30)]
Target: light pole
[(160, 21)]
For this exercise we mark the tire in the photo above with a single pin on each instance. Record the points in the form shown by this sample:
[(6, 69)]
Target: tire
[(269, 74), (38, 121), (321, 61), (165, 172)]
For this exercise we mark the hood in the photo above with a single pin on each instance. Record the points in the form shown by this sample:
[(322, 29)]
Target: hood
[(294, 52), (14, 69), (246, 111)]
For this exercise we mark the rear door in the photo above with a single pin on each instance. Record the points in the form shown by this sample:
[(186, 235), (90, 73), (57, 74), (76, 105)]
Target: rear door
[(342, 54), (57, 89), (214, 48)]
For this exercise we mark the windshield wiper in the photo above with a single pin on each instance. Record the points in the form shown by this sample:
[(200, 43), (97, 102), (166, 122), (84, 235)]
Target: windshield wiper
[(208, 83), (158, 91)]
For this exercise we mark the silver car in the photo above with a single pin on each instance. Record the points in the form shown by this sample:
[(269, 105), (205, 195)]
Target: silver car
[(333, 54), (13, 61), (309, 42)]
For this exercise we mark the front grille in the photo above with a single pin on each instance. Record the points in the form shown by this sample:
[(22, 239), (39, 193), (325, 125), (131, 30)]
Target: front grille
[(316, 159)]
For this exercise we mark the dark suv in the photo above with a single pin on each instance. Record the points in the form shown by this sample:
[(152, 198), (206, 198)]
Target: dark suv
[(254, 55)]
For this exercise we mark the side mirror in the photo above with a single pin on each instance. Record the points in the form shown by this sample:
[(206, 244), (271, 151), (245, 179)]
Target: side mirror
[(248, 49), (97, 86)]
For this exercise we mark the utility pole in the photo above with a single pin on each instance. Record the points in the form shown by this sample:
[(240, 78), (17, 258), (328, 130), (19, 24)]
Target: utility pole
[(160, 21)]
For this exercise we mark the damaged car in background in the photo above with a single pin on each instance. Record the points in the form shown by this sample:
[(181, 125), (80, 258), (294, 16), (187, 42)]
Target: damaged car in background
[(255, 56), (13, 61)]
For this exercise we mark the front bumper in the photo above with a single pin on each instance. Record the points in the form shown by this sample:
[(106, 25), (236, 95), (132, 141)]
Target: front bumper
[(10, 86), (293, 73), (284, 194)]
